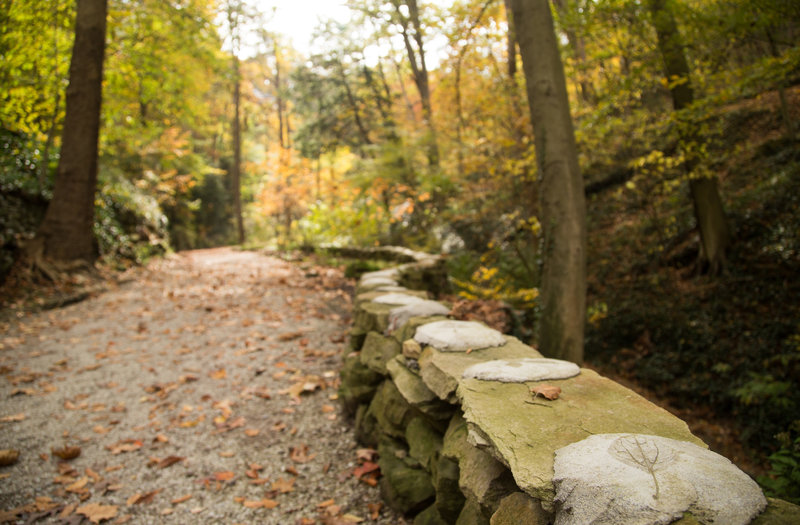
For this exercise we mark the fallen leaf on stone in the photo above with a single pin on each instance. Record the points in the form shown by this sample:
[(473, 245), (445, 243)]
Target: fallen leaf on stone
[(546, 391), (66, 453), (8, 457), (96, 512)]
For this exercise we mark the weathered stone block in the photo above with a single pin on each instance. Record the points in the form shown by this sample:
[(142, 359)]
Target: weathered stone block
[(778, 512), (408, 330), (449, 498), (378, 350), (366, 427), (525, 434), (404, 488), (418, 395), (429, 516), (519, 508), (458, 336), (400, 315), (391, 410), (358, 383), (424, 442), (370, 317), (441, 371), (472, 514), (481, 477)]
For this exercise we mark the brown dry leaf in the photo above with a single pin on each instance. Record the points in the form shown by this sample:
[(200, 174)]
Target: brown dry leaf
[(224, 476), (327, 409), (8, 457), (374, 510), (126, 445), (251, 432), (139, 499), (218, 374), (261, 504), (78, 486), (283, 485), (13, 418), (169, 461), (66, 452), (176, 501), (96, 512), (366, 454), (67, 511), (300, 454), (291, 335), (366, 468), (550, 392)]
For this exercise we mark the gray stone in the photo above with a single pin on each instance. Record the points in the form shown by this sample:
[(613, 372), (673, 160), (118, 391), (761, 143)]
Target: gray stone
[(424, 442), (482, 478), (442, 371), (398, 298), (645, 479), (519, 508), (358, 383), (411, 349), (524, 434), (521, 370), (449, 498), (407, 331), (778, 512), (378, 350), (429, 516), (400, 315), (472, 514), (391, 410), (376, 282), (416, 393), (404, 488), (368, 317), (458, 336)]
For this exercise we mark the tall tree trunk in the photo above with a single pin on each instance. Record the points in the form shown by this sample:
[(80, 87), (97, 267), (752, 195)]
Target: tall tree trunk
[(66, 233), (236, 171), (576, 42), (419, 69), (511, 41), (708, 210), (561, 194)]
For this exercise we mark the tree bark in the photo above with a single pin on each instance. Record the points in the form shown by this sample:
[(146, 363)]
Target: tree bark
[(561, 194), (708, 210), (66, 233), (236, 171)]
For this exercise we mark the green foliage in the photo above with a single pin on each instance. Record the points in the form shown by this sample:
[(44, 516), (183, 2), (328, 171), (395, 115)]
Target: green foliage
[(783, 480)]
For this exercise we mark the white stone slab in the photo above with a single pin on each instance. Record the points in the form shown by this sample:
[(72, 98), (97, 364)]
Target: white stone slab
[(400, 315), (521, 370), (458, 336), (377, 281), (640, 479), (397, 298)]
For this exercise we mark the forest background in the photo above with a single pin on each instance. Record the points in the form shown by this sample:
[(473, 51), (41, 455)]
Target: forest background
[(411, 127)]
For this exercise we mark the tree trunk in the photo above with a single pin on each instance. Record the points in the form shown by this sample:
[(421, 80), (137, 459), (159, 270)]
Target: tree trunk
[(511, 42), (66, 233), (561, 194), (708, 210), (236, 172)]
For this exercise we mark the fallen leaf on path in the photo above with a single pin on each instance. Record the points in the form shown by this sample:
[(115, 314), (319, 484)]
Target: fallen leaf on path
[(283, 485), (66, 452), (550, 392), (218, 374), (13, 418), (176, 501), (169, 461), (8, 457), (78, 487), (366, 468), (251, 432), (374, 510), (126, 445), (300, 454), (224, 476), (139, 499), (96, 512), (265, 503)]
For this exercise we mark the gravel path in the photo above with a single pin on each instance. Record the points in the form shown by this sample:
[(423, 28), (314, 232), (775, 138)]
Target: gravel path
[(202, 392)]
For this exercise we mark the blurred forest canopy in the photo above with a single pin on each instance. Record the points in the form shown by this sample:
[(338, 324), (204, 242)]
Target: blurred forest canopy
[(409, 125)]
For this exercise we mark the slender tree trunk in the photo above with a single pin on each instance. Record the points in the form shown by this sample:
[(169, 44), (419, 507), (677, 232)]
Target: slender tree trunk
[(236, 172), (66, 233), (511, 41), (561, 194), (708, 210)]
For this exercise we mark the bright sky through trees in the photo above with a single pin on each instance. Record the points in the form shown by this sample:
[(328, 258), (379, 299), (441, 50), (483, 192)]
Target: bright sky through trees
[(297, 18)]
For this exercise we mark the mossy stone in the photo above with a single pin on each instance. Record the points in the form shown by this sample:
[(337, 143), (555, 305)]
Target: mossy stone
[(378, 350), (430, 516), (778, 512), (472, 514), (518, 508), (358, 383), (424, 442), (404, 488), (449, 498), (391, 410)]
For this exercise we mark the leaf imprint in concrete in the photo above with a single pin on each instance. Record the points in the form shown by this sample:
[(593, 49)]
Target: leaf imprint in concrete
[(458, 336), (522, 369), (641, 479)]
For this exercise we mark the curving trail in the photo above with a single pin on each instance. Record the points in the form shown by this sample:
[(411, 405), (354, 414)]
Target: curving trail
[(202, 392)]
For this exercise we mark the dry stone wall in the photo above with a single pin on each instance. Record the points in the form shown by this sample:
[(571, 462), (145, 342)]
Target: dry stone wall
[(463, 440)]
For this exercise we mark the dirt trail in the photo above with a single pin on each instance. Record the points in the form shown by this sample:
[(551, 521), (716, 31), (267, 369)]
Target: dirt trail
[(202, 392)]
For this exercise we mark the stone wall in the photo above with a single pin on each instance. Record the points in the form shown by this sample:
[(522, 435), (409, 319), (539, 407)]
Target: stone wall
[(463, 437)]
